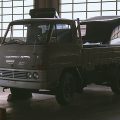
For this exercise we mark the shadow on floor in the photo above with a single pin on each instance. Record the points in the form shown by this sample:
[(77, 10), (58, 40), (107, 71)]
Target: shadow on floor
[(95, 103)]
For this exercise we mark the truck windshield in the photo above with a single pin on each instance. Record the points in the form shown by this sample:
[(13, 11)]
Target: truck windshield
[(27, 34)]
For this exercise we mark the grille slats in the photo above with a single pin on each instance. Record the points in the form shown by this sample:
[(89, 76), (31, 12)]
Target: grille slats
[(13, 74)]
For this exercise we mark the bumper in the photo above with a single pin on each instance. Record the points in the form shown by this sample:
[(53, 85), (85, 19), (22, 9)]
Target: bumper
[(23, 84)]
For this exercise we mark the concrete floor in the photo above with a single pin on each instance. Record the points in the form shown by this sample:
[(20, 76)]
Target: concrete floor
[(95, 103)]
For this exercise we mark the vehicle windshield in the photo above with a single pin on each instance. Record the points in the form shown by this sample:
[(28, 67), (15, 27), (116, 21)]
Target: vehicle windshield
[(27, 34)]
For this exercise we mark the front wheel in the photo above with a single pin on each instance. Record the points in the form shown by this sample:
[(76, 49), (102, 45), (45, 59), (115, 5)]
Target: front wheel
[(66, 89)]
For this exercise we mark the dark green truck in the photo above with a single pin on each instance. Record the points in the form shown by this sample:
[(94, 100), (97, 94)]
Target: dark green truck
[(56, 56)]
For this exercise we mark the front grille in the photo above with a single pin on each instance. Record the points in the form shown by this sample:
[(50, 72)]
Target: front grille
[(13, 74)]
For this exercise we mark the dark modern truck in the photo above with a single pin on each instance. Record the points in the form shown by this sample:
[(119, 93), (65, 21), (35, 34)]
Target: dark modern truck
[(56, 56)]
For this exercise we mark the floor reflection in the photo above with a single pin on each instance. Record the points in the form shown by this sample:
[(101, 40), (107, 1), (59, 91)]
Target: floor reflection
[(96, 102)]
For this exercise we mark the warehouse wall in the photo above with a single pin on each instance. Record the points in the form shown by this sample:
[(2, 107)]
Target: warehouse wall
[(47, 4)]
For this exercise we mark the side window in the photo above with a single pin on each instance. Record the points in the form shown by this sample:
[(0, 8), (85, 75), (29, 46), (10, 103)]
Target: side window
[(83, 30), (61, 33), (115, 36)]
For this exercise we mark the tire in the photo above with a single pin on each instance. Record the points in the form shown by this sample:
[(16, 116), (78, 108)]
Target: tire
[(66, 89), (115, 82), (21, 93)]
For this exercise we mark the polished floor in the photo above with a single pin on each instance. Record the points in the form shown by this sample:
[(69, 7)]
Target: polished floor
[(95, 103)]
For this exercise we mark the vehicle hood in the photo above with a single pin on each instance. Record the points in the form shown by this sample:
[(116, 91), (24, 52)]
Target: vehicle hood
[(19, 57)]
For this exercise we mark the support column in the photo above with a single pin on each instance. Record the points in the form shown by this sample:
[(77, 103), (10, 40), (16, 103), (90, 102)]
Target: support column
[(47, 4)]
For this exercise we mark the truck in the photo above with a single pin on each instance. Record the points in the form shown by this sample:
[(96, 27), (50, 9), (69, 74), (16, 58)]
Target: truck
[(60, 56)]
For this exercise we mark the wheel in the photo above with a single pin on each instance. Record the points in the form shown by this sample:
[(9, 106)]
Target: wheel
[(20, 93), (66, 89), (115, 82)]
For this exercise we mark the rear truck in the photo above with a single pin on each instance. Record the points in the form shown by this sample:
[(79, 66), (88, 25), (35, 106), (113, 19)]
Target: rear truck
[(53, 56)]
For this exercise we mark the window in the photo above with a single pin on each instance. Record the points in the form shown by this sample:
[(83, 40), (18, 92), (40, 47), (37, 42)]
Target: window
[(61, 34), (83, 30), (84, 9), (27, 33), (115, 37), (12, 10)]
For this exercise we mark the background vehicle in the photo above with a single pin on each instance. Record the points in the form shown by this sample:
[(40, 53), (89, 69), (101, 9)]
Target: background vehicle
[(53, 56)]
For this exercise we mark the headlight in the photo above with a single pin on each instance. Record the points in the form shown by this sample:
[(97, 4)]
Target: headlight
[(35, 75), (29, 75)]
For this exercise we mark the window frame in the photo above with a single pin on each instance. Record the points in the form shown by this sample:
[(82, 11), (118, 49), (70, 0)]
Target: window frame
[(11, 4), (88, 12)]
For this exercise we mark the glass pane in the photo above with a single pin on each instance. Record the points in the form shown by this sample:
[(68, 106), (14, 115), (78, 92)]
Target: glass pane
[(67, 7), (27, 9), (5, 25), (109, 6), (6, 0), (118, 7), (94, 0), (79, 1), (62, 26), (16, 17), (7, 4), (28, 2), (80, 15), (18, 10), (92, 14), (3, 32), (118, 13), (66, 15), (66, 1), (94, 6), (18, 33), (26, 16), (17, 3), (7, 18), (18, 27), (7, 10), (79, 7), (107, 13), (0, 27)]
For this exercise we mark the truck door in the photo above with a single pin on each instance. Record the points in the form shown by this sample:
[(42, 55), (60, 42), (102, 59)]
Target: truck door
[(64, 48)]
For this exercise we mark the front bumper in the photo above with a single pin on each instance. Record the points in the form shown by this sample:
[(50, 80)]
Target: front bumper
[(23, 84)]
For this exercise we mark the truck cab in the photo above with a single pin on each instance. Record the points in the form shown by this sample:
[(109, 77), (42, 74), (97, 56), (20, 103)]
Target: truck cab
[(35, 52)]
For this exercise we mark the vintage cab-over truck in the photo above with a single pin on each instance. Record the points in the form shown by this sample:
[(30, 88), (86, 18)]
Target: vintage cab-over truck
[(52, 55)]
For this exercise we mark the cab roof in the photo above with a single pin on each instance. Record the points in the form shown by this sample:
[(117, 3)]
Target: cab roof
[(38, 20)]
